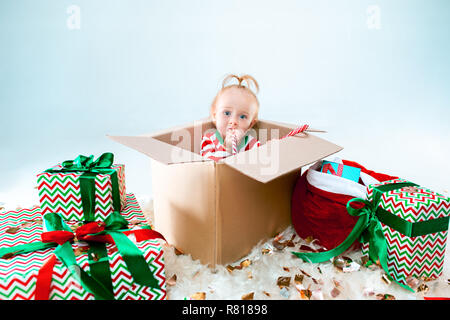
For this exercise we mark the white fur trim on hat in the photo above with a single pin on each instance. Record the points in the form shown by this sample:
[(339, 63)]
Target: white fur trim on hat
[(335, 184)]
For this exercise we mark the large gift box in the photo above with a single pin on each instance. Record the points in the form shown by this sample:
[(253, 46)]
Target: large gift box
[(218, 211), (415, 224), (83, 189), (33, 266)]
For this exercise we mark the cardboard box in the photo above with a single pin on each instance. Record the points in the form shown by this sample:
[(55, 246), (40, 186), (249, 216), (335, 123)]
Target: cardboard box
[(218, 212)]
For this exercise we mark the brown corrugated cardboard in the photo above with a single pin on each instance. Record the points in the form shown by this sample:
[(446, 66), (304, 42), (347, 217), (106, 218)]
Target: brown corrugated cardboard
[(218, 212)]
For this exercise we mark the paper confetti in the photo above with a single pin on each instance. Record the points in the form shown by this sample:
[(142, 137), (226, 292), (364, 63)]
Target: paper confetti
[(178, 252), (412, 282), (172, 281), (305, 273), (298, 279), (12, 230), (244, 264), (423, 288), (284, 292), (385, 279), (305, 294), (385, 296), (198, 296), (248, 296), (351, 267), (283, 282), (317, 295), (335, 292)]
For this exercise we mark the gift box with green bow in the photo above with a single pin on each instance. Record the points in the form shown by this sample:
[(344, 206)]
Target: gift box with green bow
[(44, 257), (403, 228), (415, 222), (83, 189)]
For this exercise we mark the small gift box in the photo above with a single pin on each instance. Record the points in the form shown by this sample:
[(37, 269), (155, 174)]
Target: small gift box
[(83, 189), (341, 170), (44, 257), (415, 223)]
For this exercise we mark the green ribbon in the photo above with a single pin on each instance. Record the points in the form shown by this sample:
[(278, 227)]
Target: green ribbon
[(136, 264), (91, 284), (368, 228), (90, 169), (131, 254)]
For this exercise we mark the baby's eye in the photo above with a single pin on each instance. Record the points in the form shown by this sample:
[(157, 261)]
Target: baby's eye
[(227, 113), (243, 116)]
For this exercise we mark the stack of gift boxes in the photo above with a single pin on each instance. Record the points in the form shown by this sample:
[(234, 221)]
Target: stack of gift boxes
[(88, 239)]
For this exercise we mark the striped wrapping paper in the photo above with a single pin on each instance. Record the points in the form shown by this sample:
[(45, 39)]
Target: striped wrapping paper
[(18, 274), (419, 256), (60, 192)]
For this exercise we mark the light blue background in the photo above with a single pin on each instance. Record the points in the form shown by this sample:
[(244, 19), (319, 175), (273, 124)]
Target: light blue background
[(136, 67)]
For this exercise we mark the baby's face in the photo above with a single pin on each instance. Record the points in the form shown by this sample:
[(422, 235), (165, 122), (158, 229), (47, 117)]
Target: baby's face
[(235, 109)]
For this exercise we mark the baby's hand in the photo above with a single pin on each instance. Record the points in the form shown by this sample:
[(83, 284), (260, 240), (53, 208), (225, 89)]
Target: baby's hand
[(229, 138)]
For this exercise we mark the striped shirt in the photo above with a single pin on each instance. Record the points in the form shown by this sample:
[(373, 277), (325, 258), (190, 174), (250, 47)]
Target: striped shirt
[(213, 146)]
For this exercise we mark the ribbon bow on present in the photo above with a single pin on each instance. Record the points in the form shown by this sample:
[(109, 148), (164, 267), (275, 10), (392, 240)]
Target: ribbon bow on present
[(368, 228), (99, 282), (83, 163), (90, 169)]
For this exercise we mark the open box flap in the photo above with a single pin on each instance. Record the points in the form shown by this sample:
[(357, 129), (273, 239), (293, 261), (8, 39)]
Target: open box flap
[(158, 150), (182, 144), (170, 146), (280, 156)]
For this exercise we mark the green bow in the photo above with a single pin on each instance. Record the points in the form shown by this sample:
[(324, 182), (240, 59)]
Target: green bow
[(368, 228), (90, 169), (82, 163)]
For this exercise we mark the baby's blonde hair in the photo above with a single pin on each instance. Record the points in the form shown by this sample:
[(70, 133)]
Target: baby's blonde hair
[(249, 80)]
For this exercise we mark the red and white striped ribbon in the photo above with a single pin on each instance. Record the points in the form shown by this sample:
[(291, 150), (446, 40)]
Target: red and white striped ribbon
[(297, 131)]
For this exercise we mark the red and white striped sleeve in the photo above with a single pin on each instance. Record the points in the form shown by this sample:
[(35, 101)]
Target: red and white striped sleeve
[(207, 146), (211, 147)]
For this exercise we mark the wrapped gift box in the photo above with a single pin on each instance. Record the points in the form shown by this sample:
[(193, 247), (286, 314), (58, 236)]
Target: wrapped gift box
[(18, 274), (341, 170), (61, 192), (413, 215)]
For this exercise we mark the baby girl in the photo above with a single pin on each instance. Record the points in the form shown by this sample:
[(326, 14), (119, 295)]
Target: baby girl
[(234, 111)]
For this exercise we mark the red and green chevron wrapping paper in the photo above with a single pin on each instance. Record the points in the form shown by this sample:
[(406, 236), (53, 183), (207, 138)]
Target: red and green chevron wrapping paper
[(60, 192), (420, 256), (18, 274)]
